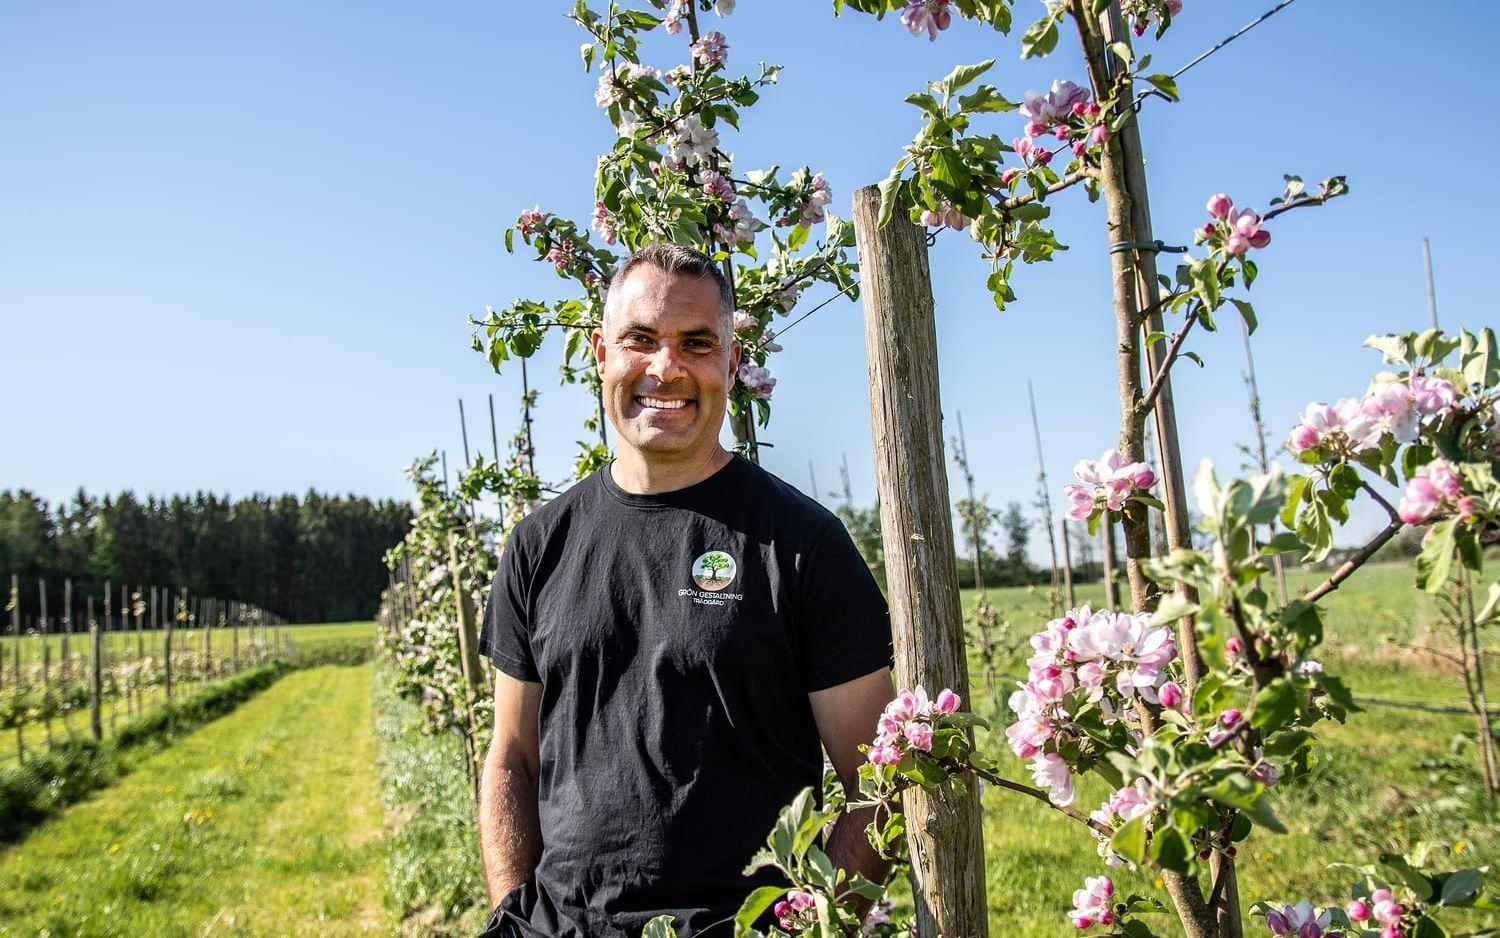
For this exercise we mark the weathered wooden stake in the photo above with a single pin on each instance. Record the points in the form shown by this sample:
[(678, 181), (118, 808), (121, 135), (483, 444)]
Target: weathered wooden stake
[(96, 676), (166, 644), (906, 415)]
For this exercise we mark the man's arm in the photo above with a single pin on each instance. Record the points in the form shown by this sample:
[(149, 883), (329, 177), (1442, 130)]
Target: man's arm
[(510, 836), (846, 715)]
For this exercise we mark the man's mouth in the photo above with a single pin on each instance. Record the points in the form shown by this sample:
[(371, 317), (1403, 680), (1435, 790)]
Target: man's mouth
[(661, 403)]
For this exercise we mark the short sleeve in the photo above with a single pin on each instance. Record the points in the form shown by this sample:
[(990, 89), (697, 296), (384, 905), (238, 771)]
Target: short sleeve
[(843, 626), (506, 636)]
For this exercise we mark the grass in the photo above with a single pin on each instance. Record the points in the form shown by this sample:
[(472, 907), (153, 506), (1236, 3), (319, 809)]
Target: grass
[(1384, 781), (264, 822), (434, 880)]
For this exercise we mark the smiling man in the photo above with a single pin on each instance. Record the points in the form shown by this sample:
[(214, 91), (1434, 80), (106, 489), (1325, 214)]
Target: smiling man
[(677, 637)]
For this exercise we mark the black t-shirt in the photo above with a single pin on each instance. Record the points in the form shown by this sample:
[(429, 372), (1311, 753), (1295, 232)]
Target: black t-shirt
[(676, 637)]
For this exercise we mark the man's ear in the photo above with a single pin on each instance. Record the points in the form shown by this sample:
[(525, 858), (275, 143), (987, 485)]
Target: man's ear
[(736, 352), (596, 342)]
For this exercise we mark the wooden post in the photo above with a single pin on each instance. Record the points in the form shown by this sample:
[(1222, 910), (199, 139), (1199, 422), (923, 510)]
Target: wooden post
[(67, 628), (916, 522), (47, 693), (15, 630), (1111, 589), (96, 677), (236, 609), (1044, 498), (166, 645)]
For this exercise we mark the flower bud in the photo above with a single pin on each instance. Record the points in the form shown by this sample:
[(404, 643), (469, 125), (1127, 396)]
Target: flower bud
[(1220, 206), (1275, 921), (1358, 911), (1230, 717), (1233, 646), (1171, 695)]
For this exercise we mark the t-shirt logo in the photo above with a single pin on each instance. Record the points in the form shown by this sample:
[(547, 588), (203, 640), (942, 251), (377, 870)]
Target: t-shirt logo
[(714, 570)]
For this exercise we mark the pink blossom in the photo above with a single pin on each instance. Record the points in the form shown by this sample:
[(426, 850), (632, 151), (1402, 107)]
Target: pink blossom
[(743, 321), (531, 220), (716, 185), (884, 755), (1303, 437), (1041, 156), (1386, 910), (1048, 770), (1444, 477), (1432, 395), (604, 223), (1171, 695), (930, 15), (712, 49), (948, 702), (932, 218), (919, 735), (1093, 903), (1113, 479), (1230, 717), (1080, 501), (560, 256), (1028, 734), (1392, 930), (1233, 646), (1009, 176), (1419, 501), (1245, 232), (757, 380), (1357, 910), (1220, 206), (1301, 920)]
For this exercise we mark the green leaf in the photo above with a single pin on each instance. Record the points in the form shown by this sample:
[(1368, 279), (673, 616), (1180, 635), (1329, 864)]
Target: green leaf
[(1435, 562), (1166, 84), (1171, 850), (661, 927), (1428, 927), (950, 174), (926, 102), (963, 76), (985, 99), (1130, 840), (1461, 888), (1417, 880), (1276, 704), (1040, 37), (888, 189), (752, 908)]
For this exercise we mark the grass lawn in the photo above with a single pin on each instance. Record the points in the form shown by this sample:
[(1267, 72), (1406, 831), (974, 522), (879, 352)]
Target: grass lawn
[(265, 822), (1384, 781)]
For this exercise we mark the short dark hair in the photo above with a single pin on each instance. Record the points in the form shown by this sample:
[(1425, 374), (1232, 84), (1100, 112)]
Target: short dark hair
[(675, 258)]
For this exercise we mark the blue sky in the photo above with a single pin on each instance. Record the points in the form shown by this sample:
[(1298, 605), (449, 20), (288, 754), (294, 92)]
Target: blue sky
[(238, 242)]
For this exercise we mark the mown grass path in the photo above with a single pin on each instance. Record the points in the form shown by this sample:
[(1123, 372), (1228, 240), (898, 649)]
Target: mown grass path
[(266, 822)]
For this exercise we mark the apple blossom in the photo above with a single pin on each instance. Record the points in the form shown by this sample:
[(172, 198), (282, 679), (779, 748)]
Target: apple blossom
[(1109, 479), (1171, 696), (560, 256), (603, 223), (1049, 771), (1434, 486), (1357, 910), (1386, 909), (531, 220), (1300, 920), (1093, 904), (797, 911), (933, 16), (919, 735), (716, 185), (757, 380), (947, 701), (712, 49), (1220, 206)]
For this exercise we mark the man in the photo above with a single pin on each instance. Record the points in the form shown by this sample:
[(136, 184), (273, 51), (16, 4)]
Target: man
[(675, 635)]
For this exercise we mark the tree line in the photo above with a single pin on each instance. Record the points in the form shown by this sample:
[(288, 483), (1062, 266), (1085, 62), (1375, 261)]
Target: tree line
[(317, 558)]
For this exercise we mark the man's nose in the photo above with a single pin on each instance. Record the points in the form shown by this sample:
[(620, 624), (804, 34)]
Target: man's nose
[(665, 364)]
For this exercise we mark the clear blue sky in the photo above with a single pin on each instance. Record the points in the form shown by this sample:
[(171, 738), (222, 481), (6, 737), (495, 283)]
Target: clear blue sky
[(238, 242)]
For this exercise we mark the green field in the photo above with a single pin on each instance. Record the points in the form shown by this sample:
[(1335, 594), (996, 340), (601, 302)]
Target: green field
[(265, 822)]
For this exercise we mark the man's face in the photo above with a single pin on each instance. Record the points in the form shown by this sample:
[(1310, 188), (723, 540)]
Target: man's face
[(668, 360)]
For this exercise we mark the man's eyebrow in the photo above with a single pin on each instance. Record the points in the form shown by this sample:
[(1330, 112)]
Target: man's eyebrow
[(698, 333)]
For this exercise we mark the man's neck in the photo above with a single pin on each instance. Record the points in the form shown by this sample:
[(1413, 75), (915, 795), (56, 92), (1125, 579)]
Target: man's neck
[(639, 474)]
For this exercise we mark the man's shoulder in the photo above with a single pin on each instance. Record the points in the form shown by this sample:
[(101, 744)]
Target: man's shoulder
[(542, 522), (789, 502)]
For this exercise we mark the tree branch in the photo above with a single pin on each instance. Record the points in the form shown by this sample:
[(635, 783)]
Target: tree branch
[(1072, 179), (1148, 400), (1038, 794), (1362, 555)]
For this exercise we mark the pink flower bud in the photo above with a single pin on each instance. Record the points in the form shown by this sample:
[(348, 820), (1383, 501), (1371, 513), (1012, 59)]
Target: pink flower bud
[(1080, 109), (1260, 239), (919, 735), (1391, 931), (781, 909), (1171, 695), (1009, 176), (1208, 230), (1083, 921), (1080, 148), (1230, 717), (1041, 156), (1063, 131), (1220, 206), (1277, 923), (932, 219), (1304, 437), (1034, 129), (1310, 930), (1233, 646), (1098, 134), (1358, 911), (948, 702)]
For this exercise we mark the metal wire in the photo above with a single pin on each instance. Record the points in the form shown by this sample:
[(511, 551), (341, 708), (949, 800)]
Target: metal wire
[(1211, 50)]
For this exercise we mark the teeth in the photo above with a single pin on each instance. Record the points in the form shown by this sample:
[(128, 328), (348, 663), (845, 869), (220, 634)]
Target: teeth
[(666, 405)]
